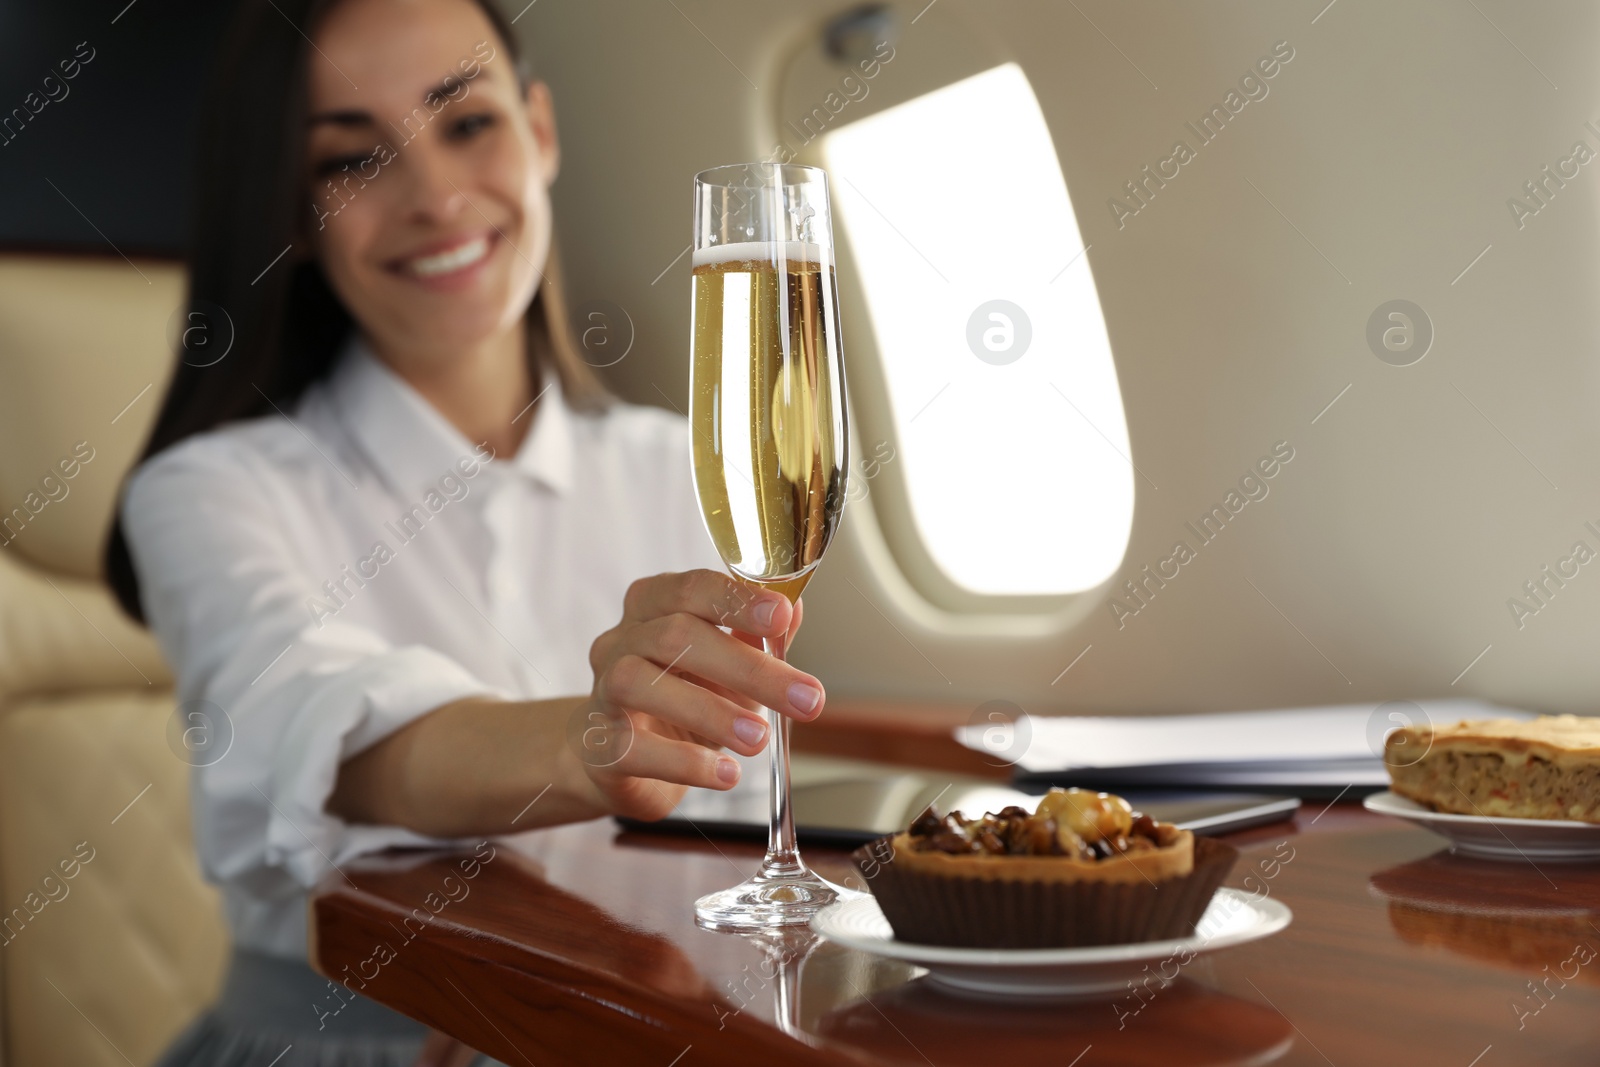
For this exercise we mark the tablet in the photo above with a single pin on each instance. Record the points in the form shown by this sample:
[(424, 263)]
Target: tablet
[(847, 812)]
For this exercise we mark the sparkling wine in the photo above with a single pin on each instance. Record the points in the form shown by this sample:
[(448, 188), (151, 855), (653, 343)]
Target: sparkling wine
[(769, 424)]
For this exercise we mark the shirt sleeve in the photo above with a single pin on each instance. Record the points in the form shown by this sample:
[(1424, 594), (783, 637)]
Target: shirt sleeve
[(285, 697)]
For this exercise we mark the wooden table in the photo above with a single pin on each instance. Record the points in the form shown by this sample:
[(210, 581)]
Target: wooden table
[(576, 945)]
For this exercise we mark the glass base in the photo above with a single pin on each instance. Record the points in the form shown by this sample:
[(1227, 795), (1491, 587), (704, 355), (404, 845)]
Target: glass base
[(776, 896)]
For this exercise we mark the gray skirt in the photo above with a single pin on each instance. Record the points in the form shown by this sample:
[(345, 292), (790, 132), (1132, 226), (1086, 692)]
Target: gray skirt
[(276, 1012)]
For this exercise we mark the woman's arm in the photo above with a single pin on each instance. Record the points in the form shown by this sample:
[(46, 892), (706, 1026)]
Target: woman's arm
[(344, 743), (471, 767), (671, 689), (219, 535)]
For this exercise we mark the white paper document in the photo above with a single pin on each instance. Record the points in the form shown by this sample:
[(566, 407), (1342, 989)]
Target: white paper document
[(1285, 747)]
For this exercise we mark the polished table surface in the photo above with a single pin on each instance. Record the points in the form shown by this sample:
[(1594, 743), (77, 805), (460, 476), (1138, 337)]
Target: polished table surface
[(576, 945)]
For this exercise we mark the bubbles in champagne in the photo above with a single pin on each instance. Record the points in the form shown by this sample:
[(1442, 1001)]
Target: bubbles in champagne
[(767, 405)]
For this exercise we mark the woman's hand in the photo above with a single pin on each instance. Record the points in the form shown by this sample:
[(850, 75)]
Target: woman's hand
[(671, 689)]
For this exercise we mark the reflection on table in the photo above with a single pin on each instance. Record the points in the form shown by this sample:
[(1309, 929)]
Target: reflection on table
[(1517, 915), (578, 945)]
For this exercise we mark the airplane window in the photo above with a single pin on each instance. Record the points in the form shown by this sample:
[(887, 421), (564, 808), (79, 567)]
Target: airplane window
[(1004, 397)]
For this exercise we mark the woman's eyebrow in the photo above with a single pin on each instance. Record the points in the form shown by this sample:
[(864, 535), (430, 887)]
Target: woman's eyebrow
[(343, 117), (445, 90)]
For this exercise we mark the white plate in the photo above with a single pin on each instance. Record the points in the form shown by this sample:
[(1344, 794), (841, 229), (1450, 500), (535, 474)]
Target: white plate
[(1233, 918), (1497, 837)]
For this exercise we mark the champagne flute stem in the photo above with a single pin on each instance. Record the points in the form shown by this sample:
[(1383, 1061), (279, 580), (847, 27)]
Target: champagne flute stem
[(781, 851)]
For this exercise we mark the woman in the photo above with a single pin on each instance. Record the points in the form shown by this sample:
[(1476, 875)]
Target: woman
[(386, 539)]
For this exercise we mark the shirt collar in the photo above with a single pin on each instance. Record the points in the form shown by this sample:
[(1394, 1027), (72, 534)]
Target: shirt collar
[(412, 445)]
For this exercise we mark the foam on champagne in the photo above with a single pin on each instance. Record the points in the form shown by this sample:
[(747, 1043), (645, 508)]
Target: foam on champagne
[(774, 252)]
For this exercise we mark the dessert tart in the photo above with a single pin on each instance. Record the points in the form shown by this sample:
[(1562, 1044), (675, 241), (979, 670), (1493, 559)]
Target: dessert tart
[(1546, 768), (1082, 869)]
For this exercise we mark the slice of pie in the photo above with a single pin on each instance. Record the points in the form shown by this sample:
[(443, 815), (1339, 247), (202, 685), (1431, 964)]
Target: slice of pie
[(1547, 768)]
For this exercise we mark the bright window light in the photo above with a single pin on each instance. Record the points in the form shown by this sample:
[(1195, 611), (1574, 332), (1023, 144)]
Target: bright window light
[(1005, 400)]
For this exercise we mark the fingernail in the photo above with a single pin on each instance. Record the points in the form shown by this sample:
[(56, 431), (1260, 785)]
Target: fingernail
[(765, 611), (750, 731), (804, 698), (727, 770)]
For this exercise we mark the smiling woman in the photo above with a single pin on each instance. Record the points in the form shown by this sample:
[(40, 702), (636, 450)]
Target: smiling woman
[(382, 335), (261, 216), (443, 247)]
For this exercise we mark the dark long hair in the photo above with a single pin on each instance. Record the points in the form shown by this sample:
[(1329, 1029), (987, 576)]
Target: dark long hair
[(250, 206)]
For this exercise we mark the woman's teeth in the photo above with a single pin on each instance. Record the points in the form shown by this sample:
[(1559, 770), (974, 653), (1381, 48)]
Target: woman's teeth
[(446, 262)]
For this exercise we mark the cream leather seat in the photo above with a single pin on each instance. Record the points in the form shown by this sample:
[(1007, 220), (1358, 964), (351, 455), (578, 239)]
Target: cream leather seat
[(106, 966)]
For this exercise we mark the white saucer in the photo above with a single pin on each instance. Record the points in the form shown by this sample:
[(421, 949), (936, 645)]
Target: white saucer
[(1497, 837), (1233, 918)]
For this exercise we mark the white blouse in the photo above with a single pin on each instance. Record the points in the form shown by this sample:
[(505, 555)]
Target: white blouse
[(319, 579)]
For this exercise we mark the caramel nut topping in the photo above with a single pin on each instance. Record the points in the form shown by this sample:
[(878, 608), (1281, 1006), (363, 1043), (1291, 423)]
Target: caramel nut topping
[(927, 824), (1069, 822)]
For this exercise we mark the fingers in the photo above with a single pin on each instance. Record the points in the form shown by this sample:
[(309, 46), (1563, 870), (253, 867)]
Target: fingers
[(667, 759), (636, 684), (686, 643), (716, 598), (701, 687), (756, 641), (683, 762), (721, 690)]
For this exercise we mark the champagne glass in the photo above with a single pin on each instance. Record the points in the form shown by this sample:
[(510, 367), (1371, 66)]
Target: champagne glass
[(767, 414)]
